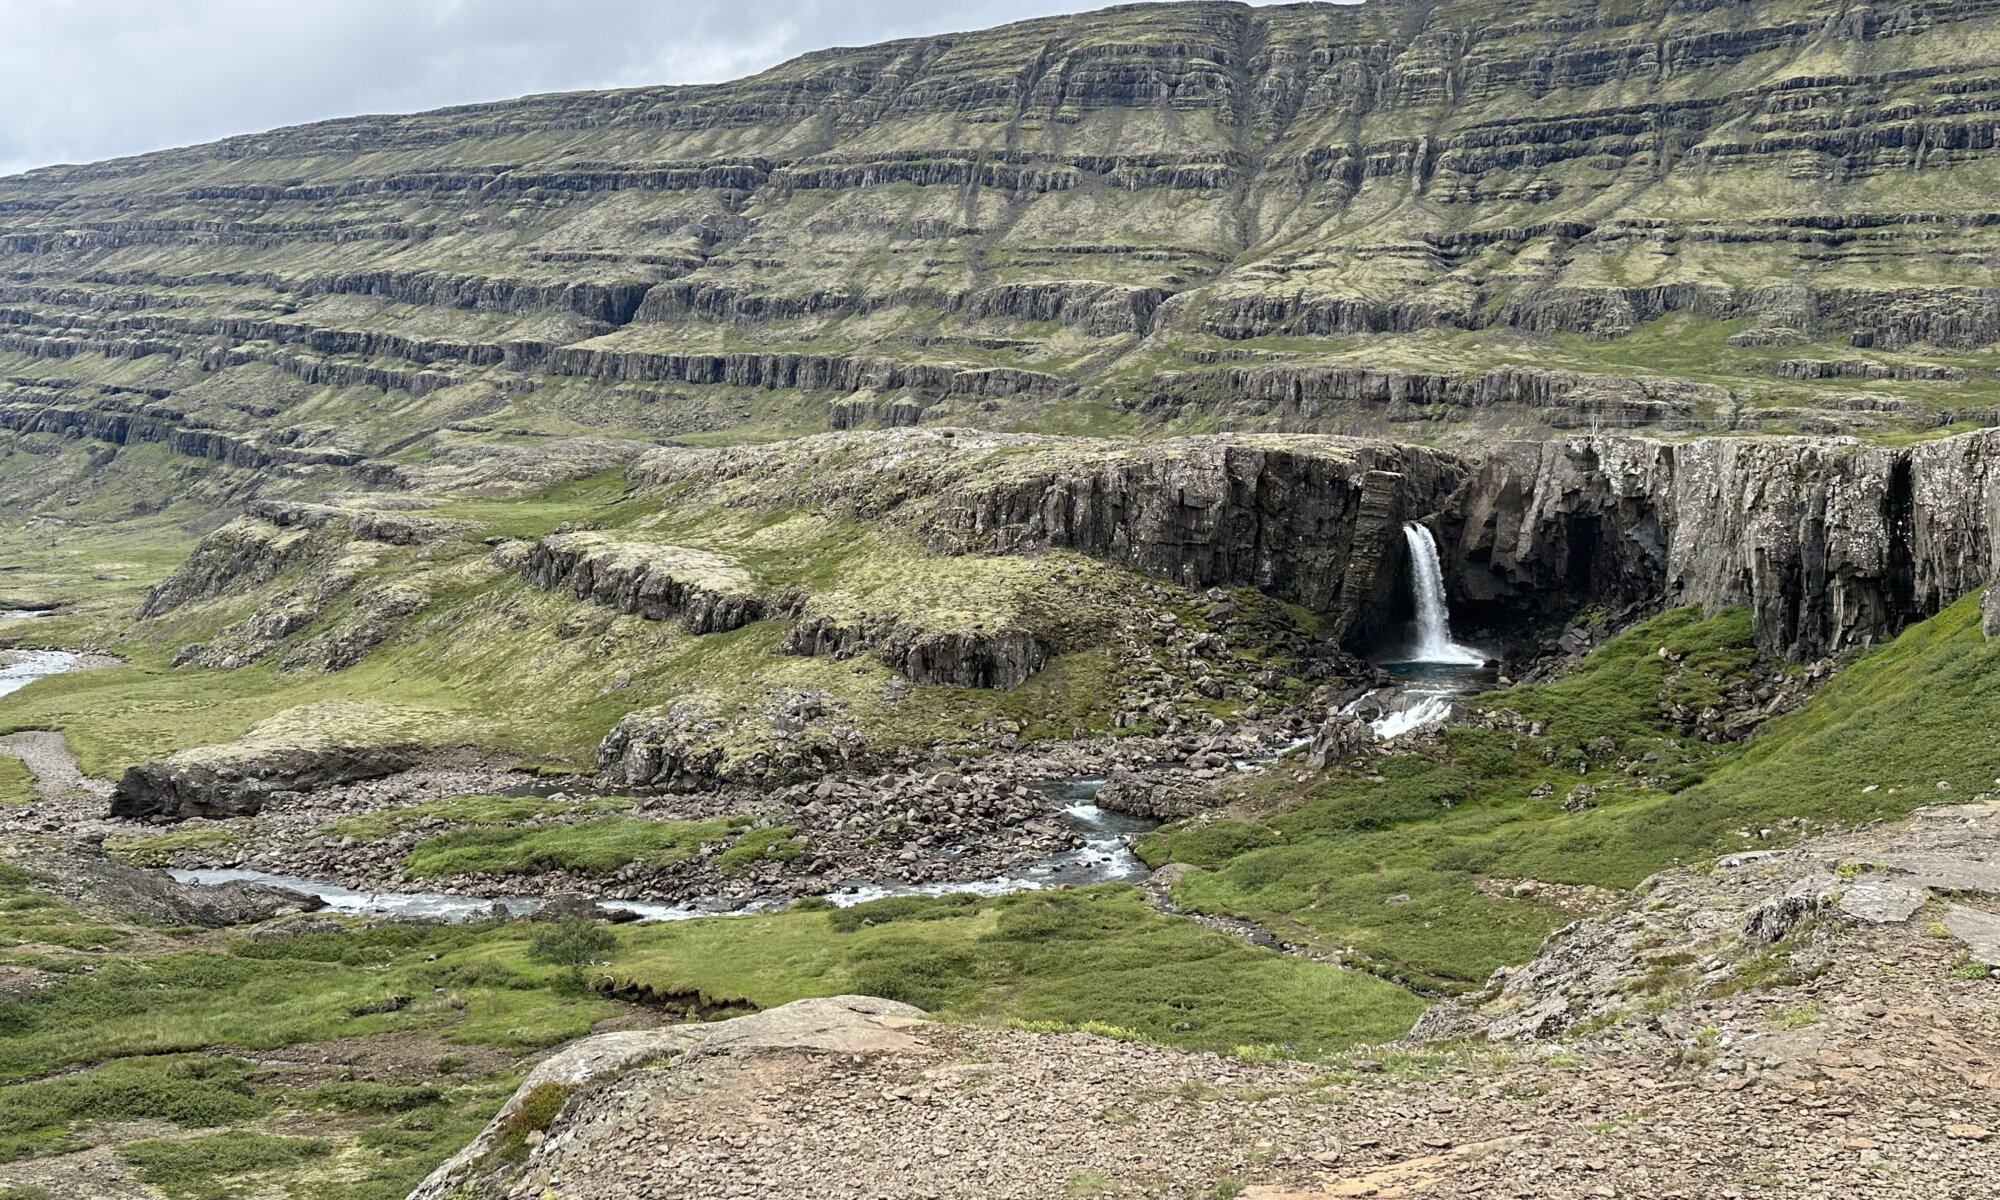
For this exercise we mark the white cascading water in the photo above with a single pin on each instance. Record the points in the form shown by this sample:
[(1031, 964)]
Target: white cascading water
[(1426, 704), (1434, 644)]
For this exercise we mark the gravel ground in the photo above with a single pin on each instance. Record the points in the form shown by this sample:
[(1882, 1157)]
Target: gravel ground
[(1879, 1075), (1893, 1092)]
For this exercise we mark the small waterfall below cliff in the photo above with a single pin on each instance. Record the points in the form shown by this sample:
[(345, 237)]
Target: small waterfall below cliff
[(1434, 644), (1436, 670)]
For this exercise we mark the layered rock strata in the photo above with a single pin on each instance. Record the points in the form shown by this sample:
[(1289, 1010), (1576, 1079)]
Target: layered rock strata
[(1026, 214), (1312, 521), (705, 591)]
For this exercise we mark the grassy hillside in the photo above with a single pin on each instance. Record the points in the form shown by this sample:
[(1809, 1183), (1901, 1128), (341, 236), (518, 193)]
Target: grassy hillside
[(1390, 862)]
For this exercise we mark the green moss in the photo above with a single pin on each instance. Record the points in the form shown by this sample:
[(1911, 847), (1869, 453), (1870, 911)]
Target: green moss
[(597, 846), (466, 810), (1094, 954), (17, 782), (211, 1168), (1204, 843), (37, 1117), (777, 843), (535, 1112), (33, 918), (158, 849)]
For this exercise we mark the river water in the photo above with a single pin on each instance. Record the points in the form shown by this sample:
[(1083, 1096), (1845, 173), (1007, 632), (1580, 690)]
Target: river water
[(23, 667), (1105, 857), (1429, 687)]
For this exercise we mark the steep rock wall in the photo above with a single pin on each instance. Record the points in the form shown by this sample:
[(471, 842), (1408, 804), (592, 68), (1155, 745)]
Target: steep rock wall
[(708, 593), (1832, 543), (1307, 520)]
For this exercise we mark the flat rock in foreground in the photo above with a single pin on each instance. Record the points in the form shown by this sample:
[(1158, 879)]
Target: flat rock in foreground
[(1877, 1075)]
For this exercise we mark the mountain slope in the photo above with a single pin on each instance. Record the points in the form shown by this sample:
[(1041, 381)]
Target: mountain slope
[(1308, 216)]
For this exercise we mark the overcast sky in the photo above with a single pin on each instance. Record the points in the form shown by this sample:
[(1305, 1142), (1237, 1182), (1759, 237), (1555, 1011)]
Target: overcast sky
[(82, 80)]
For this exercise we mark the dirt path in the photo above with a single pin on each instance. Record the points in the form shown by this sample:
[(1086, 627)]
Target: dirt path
[(57, 775)]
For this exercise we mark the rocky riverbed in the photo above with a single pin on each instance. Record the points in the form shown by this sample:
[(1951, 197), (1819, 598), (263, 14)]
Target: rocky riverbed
[(928, 824)]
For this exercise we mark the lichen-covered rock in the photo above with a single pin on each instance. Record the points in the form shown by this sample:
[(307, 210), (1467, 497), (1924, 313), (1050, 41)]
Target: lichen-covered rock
[(1691, 932), (156, 897), (695, 744), (709, 592), (1001, 659), (242, 555), (1341, 735), (367, 524), (637, 1061), (672, 748), (1156, 795)]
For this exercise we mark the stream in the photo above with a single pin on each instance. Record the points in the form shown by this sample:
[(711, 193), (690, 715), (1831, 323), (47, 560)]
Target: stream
[(25, 666), (1437, 672), (1105, 857)]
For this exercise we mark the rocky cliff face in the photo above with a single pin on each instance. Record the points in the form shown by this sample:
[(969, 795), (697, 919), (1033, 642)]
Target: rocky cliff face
[(1311, 520), (1831, 542), (705, 591), (1315, 523), (240, 779), (1001, 659)]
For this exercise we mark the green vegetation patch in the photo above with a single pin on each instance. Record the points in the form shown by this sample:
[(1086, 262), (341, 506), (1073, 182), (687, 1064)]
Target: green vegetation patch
[(29, 917), (35, 1117), (595, 847), (467, 810), (774, 843), (211, 1167), (17, 782), (1390, 862), (158, 849), (1072, 957)]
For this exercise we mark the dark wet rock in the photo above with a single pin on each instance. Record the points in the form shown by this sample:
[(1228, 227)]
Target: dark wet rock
[(1313, 521), (1000, 659), (1830, 542)]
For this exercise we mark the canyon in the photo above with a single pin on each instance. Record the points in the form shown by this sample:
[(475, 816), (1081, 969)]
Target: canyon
[(1287, 601)]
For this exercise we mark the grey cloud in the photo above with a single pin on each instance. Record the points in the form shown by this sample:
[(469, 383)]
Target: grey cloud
[(83, 80)]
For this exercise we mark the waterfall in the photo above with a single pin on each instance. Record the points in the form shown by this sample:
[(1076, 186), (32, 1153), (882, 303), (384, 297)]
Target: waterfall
[(1434, 644)]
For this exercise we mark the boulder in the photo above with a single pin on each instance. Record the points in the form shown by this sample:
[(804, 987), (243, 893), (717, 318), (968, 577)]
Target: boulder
[(1156, 795), (236, 780)]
